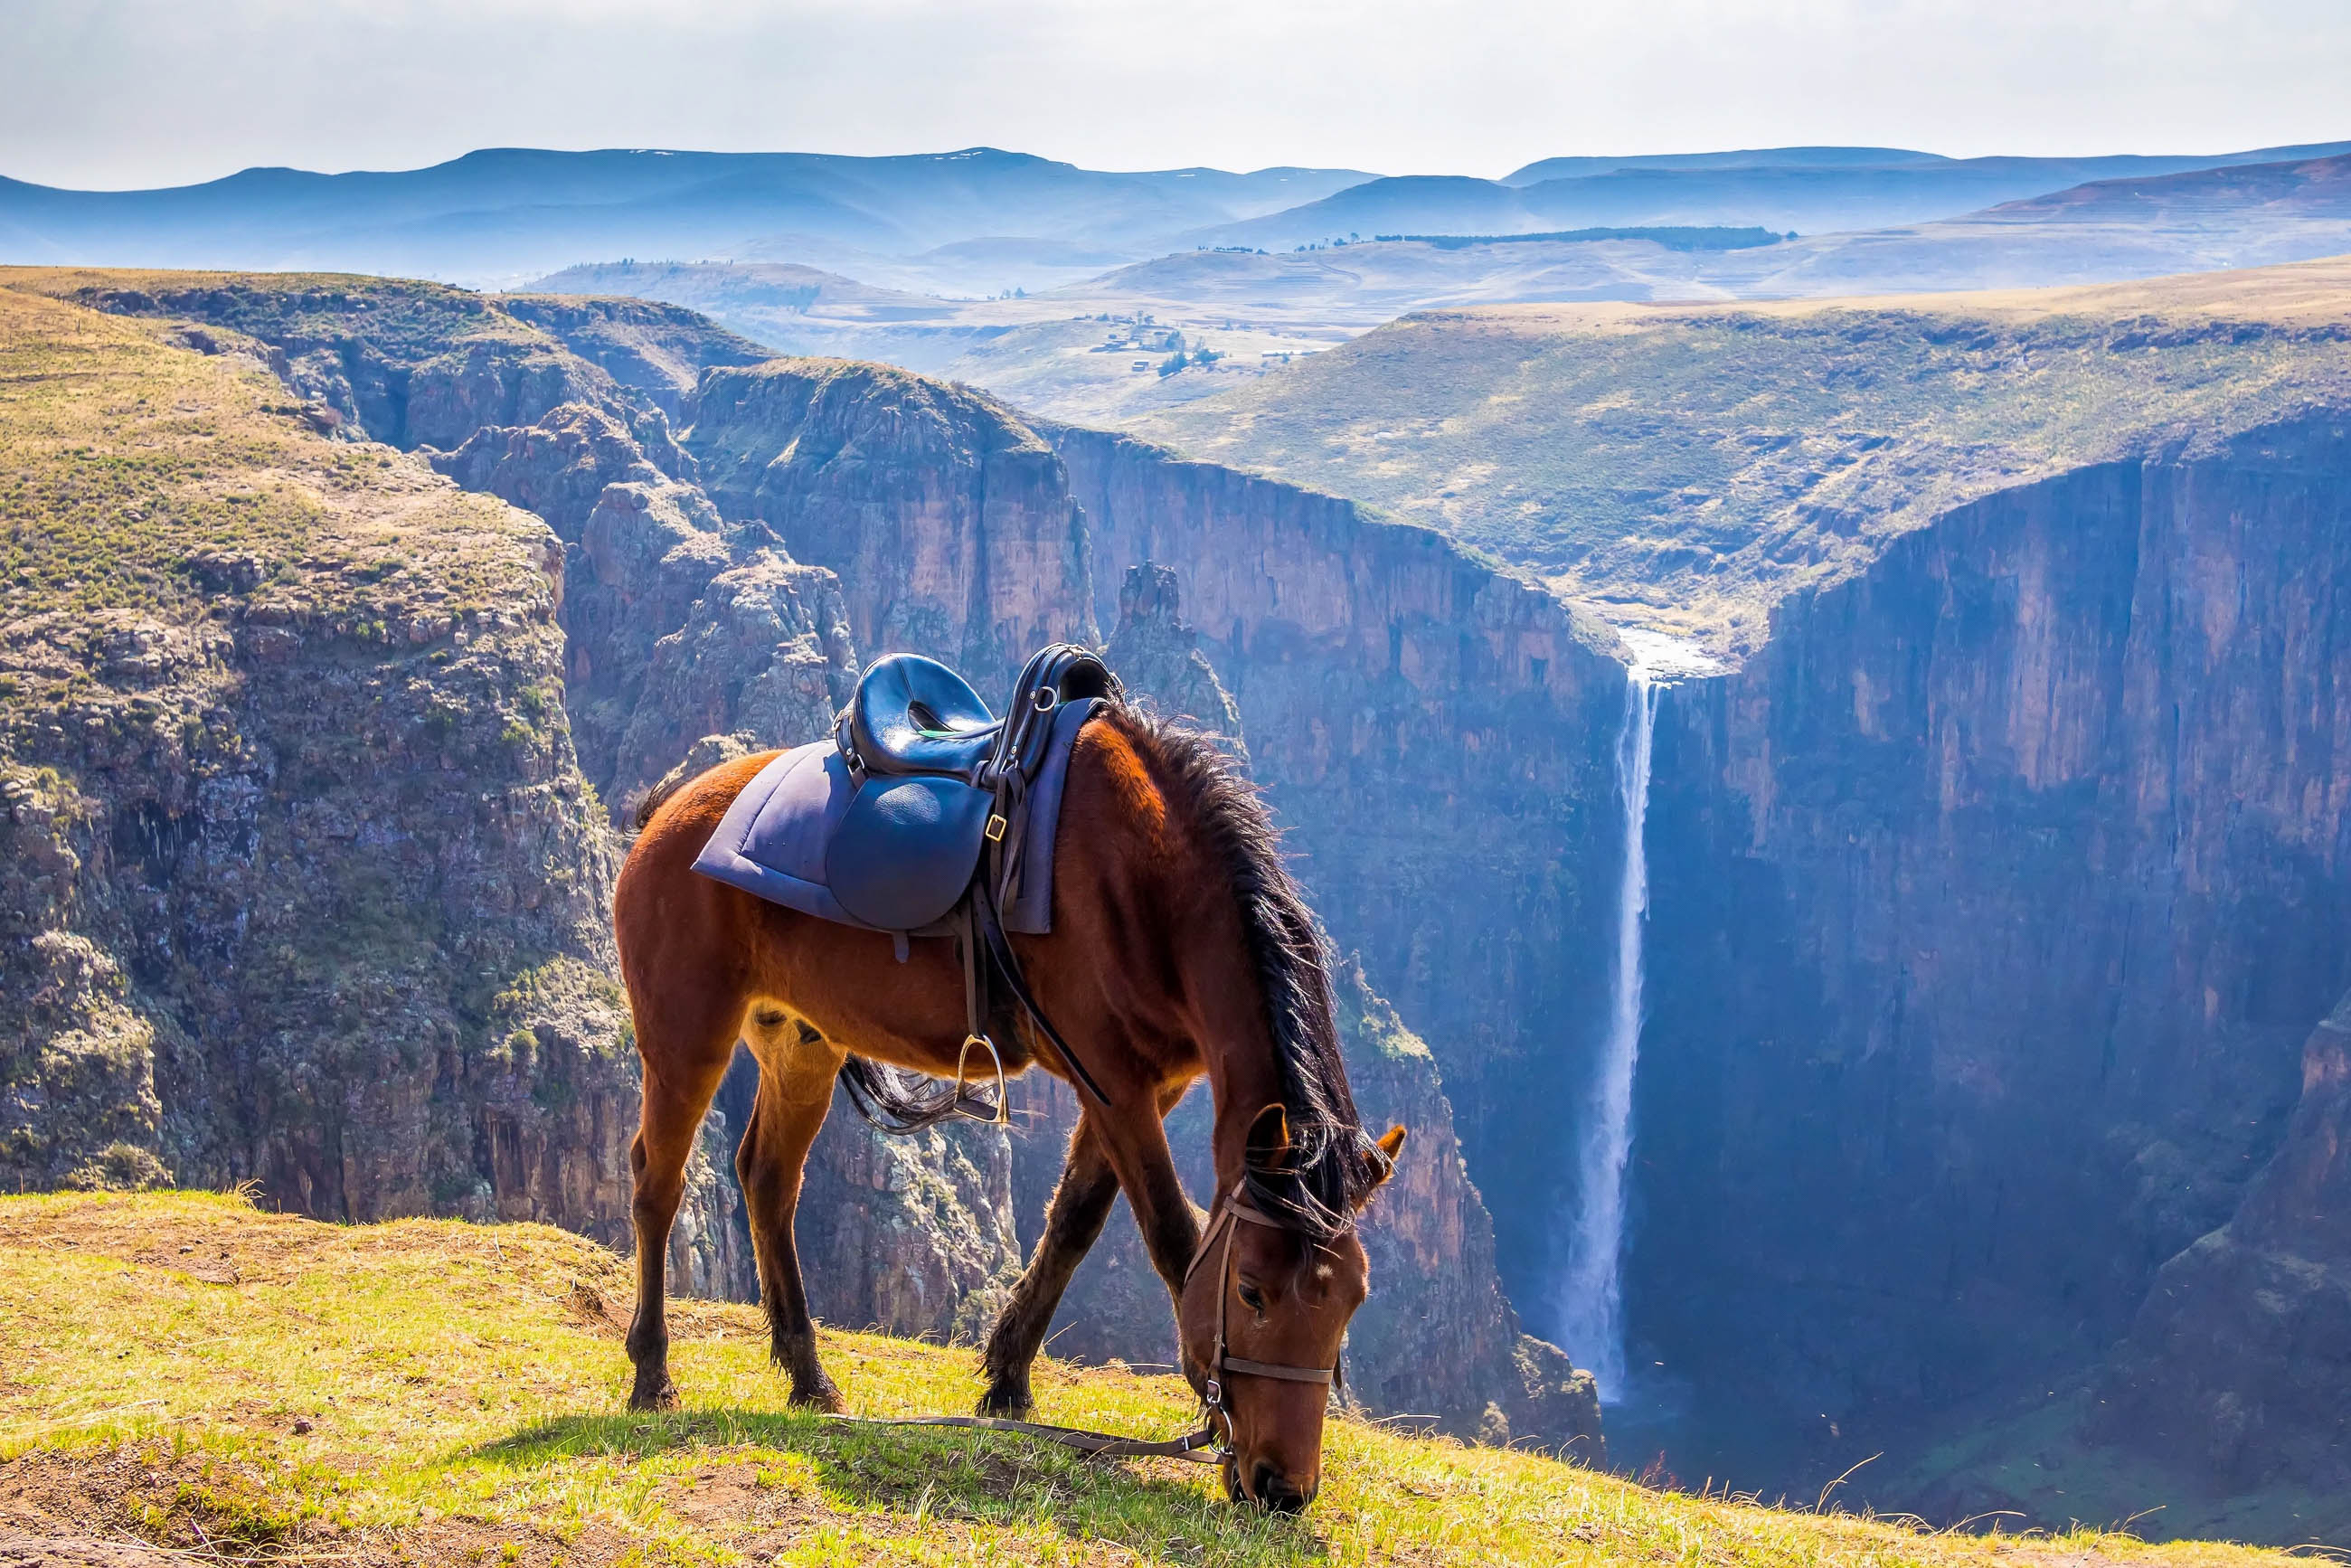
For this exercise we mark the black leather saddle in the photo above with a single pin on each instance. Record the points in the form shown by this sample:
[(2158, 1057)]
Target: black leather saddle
[(933, 839), (940, 779)]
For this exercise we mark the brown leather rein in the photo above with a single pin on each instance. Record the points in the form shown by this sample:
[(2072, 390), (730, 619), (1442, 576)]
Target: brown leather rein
[(1212, 1444)]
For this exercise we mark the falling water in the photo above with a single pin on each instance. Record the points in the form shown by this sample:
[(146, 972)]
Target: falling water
[(1591, 1313)]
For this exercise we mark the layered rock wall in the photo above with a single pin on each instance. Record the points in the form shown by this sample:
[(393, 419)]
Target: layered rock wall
[(1439, 738), (948, 518), (1992, 903)]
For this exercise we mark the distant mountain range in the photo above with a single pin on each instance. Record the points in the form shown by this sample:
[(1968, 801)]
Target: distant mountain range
[(507, 214), (1071, 352), (1807, 190), (978, 221)]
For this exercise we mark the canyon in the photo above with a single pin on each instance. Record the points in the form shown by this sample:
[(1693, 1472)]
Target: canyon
[(699, 596), (1990, 1088)]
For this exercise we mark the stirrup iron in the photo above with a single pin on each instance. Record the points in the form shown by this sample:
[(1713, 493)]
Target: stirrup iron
[(1002, 1109)]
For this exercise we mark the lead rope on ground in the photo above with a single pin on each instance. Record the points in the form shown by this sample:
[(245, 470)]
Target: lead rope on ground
[(1200, 1447)]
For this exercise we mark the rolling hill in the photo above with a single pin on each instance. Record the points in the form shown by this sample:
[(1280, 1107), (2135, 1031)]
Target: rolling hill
[(1689, 465)]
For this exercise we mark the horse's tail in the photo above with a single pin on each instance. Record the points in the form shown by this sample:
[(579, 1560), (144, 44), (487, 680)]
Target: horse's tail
[(897, 1102), (641, 815)]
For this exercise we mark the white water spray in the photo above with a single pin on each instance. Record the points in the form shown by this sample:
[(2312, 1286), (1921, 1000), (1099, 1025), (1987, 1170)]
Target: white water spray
[(1591, 1298)]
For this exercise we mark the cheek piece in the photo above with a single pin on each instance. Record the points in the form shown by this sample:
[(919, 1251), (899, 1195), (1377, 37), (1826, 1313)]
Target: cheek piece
[(1230, 1215)]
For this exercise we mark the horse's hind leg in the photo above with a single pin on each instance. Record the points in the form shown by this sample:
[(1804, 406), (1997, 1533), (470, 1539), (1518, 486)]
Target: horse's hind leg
[(1073, 1221), (797, 1067), (685, 1049)]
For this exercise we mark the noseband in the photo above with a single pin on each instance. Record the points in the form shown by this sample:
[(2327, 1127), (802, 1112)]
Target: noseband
[(1223, 1362)]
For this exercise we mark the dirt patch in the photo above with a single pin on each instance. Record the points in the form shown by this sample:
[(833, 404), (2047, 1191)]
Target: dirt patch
[(133, 1509)]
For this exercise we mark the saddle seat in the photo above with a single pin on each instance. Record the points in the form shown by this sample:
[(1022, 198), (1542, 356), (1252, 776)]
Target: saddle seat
[(939, 777), (911, 714)]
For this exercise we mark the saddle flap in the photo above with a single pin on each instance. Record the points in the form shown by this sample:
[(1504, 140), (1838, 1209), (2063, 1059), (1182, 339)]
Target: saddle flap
[(906, 850)]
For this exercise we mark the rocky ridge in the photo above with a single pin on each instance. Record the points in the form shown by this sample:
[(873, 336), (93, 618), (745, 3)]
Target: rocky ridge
[(303, 887)]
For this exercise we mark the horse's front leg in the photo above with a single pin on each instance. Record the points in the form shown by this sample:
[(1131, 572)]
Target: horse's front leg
[(1073, 1220), (1136, 1146)]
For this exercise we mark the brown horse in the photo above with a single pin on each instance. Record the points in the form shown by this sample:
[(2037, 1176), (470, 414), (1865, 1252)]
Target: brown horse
[(1180, 946)]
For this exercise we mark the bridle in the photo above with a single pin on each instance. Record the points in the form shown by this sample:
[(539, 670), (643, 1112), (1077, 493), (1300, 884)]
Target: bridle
[(1222, 1362), (1213, 1443)]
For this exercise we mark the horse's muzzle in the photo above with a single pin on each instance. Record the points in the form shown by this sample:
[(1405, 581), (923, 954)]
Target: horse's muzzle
[(1275, 1493)]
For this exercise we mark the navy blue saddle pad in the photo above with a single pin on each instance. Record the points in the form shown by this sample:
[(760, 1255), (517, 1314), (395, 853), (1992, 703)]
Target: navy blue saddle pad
[(892, 853)]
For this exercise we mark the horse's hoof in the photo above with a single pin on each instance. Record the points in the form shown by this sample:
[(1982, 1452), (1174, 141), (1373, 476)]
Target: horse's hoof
[(662, 1396), (1007, 1399), (819, 1395)]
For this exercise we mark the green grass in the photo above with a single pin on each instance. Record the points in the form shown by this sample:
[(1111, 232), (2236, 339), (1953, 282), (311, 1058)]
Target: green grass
[(137, 474), (184, 1369)]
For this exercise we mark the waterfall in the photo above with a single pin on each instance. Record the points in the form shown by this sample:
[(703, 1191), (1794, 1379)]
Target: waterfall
[(1591, 1310)]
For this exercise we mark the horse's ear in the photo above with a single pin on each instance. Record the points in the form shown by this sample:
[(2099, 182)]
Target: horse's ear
[(1268, 1139), (1383, 1165)]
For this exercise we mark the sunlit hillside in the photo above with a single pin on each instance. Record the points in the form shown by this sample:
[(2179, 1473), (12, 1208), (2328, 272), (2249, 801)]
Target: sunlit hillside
[(235, 1386)]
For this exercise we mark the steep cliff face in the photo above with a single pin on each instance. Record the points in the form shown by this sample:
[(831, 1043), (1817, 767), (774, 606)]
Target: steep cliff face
[(1993, 900), (305, 887), (676, 625), (2239, 1363), (1439, 738), (950, 520)]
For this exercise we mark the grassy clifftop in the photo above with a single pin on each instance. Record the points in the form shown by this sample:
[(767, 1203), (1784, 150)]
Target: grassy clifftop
[(185, 1371), (1686, 466)]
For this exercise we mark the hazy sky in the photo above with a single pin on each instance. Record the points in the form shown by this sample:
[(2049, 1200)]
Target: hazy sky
[(139, 92)]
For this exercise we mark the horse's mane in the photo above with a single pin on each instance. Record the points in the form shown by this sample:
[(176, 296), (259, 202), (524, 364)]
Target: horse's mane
[(1333, 1163)]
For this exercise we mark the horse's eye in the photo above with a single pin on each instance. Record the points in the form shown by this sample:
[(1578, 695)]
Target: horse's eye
[(1251, 1297)]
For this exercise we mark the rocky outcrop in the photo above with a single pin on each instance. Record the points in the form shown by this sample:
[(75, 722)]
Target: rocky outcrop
[(950, 521), (764, 649), (1158, 658), (303, 884), (1992, 903), (2239, 1364), (677, 624)]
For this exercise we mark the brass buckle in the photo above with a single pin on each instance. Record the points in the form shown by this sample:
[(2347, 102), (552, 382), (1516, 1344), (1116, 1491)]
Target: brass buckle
[(995, 829)]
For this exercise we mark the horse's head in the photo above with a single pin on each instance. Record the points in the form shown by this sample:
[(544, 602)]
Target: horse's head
[(1264, 1312)]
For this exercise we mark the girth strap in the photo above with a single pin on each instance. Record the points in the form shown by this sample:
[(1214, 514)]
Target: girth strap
[(1020, 749)]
